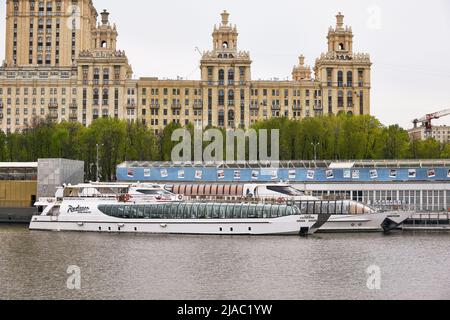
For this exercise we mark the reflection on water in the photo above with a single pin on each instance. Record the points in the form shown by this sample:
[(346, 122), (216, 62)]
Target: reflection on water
[(121, 266)]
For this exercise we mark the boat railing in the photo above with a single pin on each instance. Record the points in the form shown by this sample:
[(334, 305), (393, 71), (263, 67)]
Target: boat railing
[(395, 207)]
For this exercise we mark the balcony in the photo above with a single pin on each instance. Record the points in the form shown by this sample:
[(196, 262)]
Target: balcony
[(254, 107), (198, 106), (297, 107), (276, 107), (131, 106), (53, 115), (318, 107), (73, 116), (73, 105), (154, 106), (176, 106), (53, 105)]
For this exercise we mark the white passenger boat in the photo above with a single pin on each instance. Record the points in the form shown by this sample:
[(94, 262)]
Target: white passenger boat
[(97, 210), (346, 215)]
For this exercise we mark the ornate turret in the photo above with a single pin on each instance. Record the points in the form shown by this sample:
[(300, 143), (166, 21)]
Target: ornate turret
[(104, 35), (340, 39), (301, 72), (225, 36)]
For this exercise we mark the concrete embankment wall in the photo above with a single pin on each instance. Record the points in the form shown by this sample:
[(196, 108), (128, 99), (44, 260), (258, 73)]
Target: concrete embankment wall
[(16, 215)]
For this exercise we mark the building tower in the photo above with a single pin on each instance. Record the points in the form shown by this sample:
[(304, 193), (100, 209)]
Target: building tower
[(225, 74), (47, 33), (301, 72), (343, 74), (102, 73)]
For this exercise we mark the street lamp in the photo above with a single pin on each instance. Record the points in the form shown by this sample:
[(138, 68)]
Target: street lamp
[(315, 145), (98, 175)]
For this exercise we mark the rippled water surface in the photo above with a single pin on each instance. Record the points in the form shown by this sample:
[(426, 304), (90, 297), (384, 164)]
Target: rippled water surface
[(120, 266)]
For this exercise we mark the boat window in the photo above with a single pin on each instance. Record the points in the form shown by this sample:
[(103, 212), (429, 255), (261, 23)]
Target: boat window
[(194, 211), (324, 207), (152, 192), (214, 211), (187, 211), (252, 212), (274, 211), (222, 211), (201, 213), (130, 211), (338, 207), (209, 211), (174, 210), (148, 212), (310, 208), (332, 207), (295, 211), (345, 207), (266, 211), (113, 212), (244, 212), (286, 190), (303, 206), (120, 211), (140, 212), (259, 211), (318, 207), (231, 213), (181, 211), (105, 209), (154, 212)]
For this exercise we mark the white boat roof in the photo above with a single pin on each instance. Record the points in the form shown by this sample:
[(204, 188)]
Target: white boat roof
[(341, 165), (18, 165), (114, 185)]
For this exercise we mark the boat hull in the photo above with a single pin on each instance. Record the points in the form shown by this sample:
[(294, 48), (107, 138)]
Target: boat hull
[(292, 225), (365, 222)]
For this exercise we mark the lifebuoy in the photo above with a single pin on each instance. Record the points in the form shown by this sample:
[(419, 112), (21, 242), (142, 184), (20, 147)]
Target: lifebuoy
[(280, 200), (180, 197)]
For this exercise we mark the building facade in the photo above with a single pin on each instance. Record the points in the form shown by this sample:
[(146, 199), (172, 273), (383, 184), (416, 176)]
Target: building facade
[(439, 133), (62, 63)]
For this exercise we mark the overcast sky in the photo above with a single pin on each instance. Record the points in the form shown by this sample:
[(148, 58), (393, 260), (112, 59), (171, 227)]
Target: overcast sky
[(409, 42)]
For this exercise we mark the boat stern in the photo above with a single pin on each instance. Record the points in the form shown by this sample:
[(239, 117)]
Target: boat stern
[(395, 219)]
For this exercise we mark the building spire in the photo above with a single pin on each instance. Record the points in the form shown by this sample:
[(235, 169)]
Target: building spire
[(340, 21), (105, 17), (225, 16), (301, 60)]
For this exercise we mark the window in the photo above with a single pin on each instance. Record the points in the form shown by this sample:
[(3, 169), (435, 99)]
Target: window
[(340, 99), (350, 99), (340, 79), (231, 77), (221, 98), (221, 77), (230, 97), (95, 97), (349, 79)]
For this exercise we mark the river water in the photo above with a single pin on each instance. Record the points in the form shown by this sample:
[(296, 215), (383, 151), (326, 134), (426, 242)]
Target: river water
[(34, 265)]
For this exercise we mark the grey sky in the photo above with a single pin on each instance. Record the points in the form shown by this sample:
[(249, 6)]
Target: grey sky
[(409, 44)]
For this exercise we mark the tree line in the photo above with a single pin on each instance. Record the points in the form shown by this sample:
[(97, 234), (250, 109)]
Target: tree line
[(329, 137)]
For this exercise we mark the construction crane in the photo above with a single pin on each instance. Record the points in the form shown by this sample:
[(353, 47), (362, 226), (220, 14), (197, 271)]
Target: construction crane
[(426, 120)]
